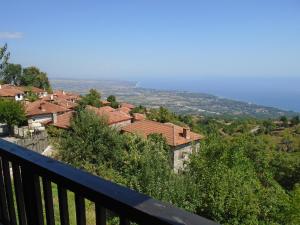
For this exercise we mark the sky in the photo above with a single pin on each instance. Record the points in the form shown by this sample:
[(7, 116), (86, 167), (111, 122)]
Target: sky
[(154, 38)]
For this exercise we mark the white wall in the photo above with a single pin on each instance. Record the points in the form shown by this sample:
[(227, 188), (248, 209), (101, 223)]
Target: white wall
[(19, 97), (41, 118), (181, 155)]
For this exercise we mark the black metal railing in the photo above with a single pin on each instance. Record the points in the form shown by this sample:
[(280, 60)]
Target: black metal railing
[(26, 195)]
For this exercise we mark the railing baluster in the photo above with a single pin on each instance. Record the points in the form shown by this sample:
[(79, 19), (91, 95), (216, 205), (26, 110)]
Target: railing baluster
[(100, 215), (4, 216), (32, 197), (63, 205), (9, 193), (19, 194), (48, 198), (124, 221), (80, 210)]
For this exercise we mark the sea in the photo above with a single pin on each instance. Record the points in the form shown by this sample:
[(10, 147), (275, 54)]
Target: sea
[(280, 92)]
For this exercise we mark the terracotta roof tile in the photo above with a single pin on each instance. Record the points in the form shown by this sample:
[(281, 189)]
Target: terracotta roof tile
[(139, 116), (127, 105), (64, 120), (41, 107), (9, 91), (172, 133), (65, 95), (104, 102), (32, 89), (124, 109), (65, 103), (111, 114)]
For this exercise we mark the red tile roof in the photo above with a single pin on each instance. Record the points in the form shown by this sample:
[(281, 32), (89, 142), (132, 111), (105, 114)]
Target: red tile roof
[(124, 109), (31, 88), (127, 105), (172, 133), (9, 90), (104, 102), (139, 116), (41, 107), (111, 114), (105, 109), (65, 95), (64, 120), (65, 103)]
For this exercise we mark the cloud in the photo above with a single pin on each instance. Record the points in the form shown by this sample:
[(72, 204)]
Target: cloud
[(11, 35)]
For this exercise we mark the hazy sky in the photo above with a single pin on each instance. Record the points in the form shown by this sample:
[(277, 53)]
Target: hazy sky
[(124, 39)]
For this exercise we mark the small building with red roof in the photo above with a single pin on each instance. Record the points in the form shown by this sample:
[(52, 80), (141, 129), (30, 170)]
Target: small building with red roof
[(41, 111), (114, 118), (11, 92), (63, 121), (181, 140), (127, 105)]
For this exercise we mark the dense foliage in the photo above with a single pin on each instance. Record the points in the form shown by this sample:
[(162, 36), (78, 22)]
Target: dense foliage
[(242, 178), (12, 74), (32, 76), (11, 112), (113, 101), (92, 98)]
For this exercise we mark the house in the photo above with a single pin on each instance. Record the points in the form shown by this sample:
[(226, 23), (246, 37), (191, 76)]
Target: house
[(114, 118), (65, 103), (43, 111), (38, 91), (60, 94), (123, 109), (127, 105), (11, 92), (105, 102), (139, 117), (180, 139), (62, 98), (63, 121)]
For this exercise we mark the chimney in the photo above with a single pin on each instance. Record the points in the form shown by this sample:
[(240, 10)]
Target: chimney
[(186, 133), (174, 135), (42, 106), (54, 117)]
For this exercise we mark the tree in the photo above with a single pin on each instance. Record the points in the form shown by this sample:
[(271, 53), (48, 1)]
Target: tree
[(139, 109), (90, 142), (268, 126), (113, 101), (111, 98), (32, 76), (12, 113), (12, 74), (285, 121), (92, 99), (295, 121), (162, 115), (4, 56), (31, 96), (235, 185), (287, 141), (114, 104)]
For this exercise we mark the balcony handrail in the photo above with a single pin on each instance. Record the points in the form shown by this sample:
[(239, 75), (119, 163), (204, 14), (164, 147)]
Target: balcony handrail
[(123, 201)]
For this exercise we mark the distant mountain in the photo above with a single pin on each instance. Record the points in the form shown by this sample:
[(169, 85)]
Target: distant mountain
[(178, 101)]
